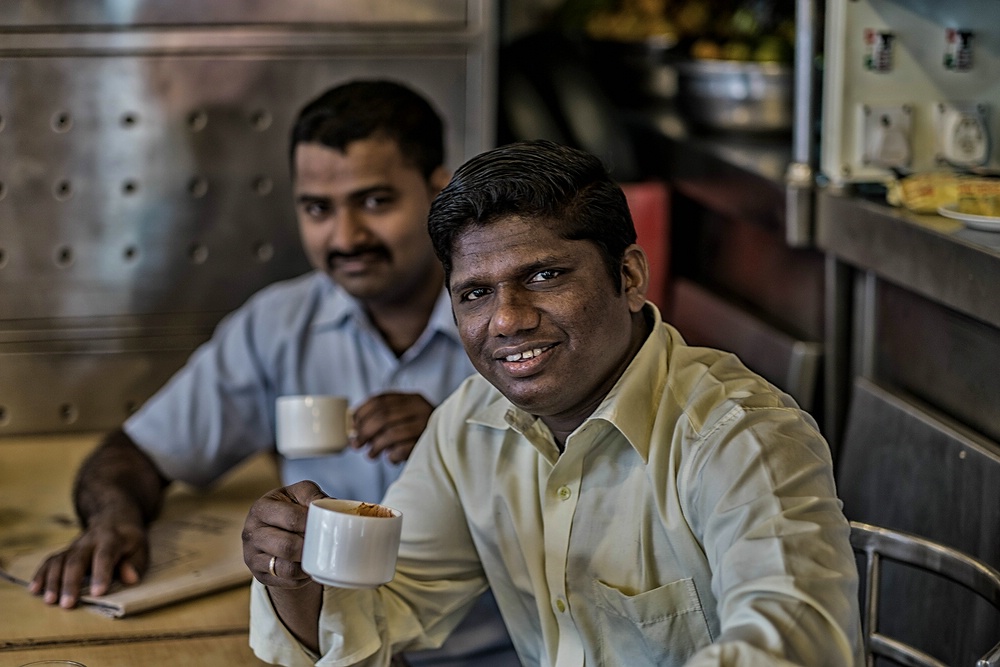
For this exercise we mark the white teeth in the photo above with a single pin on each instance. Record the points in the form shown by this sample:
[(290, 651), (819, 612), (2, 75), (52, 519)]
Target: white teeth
[(521, 356)]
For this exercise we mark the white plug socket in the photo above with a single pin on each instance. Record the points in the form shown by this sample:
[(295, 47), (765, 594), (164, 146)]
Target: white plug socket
[(886, 135), (963, 138)]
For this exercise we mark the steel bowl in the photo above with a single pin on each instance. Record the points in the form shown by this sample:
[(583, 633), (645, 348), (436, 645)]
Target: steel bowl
[(735, 95)]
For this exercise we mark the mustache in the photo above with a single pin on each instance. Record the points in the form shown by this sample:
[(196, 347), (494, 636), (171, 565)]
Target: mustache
[(334, 255)]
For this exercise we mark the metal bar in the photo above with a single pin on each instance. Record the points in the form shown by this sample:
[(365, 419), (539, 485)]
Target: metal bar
[(800, 176)]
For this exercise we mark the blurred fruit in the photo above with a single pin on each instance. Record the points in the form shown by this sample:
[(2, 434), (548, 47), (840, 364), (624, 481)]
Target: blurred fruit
[(634, 21), (772, 48), (706, 49), (786, 30), (736, 50), (743, 23), (740, 30), (693, 17)]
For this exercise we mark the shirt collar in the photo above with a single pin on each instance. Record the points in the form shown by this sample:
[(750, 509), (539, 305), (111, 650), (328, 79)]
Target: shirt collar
[(336, 306), (443, 319), (629, 406)]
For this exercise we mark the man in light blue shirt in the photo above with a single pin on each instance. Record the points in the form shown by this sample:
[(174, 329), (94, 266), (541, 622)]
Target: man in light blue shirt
[(301, 336), (372, 323)]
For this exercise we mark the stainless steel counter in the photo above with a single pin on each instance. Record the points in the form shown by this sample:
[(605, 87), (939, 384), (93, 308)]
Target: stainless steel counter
[(911, 303), (934, 256)]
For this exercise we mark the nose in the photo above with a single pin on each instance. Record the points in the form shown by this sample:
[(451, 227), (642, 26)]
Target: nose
[(514, 312), (347, 230)]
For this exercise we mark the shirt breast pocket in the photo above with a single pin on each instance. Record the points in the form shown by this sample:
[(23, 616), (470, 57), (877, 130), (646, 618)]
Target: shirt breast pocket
[(663, 626)]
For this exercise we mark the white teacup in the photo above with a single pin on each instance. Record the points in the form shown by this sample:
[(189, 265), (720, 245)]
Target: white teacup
[(351, 544), (308, 426)]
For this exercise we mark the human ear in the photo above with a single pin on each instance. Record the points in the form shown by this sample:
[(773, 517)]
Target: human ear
[(635, 277)]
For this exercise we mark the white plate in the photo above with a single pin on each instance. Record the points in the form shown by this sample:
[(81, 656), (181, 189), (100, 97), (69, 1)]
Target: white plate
[(987, 223)]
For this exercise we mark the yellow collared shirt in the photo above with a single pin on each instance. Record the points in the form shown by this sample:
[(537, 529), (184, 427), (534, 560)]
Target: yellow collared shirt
[(691, 520)]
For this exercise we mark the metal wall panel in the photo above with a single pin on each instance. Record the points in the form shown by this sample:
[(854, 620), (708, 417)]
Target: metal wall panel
[(948, 359), (185, 13), (144, 186)]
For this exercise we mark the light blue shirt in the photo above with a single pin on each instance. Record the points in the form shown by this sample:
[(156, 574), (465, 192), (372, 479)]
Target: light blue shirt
[(300, 336), (307, 336)]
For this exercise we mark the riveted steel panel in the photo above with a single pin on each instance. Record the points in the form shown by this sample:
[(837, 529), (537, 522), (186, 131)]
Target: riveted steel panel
[(144, 188)]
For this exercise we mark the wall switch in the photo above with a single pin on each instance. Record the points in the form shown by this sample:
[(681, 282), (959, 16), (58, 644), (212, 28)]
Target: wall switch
[(886, 139), (878, 50), (958, 50), (962, 133)]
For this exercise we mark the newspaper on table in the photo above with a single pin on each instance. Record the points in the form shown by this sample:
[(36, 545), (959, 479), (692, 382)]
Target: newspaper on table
[(195, 549)]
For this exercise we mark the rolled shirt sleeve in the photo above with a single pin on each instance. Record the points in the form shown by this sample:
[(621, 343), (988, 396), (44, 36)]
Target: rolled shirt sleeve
[(760, 495)]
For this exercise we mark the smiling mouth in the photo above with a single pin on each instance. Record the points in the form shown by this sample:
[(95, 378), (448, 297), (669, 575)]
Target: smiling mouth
[(526, 363), (527, 354)]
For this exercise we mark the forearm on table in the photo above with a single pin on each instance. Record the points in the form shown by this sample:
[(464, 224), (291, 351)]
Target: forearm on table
[(118, 480)]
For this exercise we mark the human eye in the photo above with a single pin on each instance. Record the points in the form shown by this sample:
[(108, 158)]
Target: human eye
[(545, 275), (315, 209), (474, 294), (377, 201)]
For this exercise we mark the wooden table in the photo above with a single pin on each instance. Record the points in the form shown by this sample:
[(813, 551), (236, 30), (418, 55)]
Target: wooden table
[(36, 476)]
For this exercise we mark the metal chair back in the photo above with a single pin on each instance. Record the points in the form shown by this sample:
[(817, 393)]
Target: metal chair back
[(876, 543)]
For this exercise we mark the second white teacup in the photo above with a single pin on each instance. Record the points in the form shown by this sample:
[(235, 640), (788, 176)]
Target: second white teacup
[(351, 544), (307, 426)]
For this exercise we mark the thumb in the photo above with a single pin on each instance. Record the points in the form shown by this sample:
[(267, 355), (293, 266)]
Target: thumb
[(305, 492)]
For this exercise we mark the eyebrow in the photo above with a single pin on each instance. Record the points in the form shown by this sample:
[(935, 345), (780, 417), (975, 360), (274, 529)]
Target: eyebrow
[(357, 195), (310, 199)]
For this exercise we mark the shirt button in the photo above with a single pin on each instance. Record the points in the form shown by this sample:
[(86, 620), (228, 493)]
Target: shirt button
[(564, 493), (561, 606)]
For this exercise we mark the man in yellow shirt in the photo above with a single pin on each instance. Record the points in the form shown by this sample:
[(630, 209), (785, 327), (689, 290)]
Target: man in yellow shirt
[(629, 499)]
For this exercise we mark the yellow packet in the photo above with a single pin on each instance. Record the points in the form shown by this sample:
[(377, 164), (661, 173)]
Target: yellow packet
[(924, 192)]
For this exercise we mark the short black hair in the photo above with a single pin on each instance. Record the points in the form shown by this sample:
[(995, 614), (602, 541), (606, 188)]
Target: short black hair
[(567, 189), (366, 109)]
